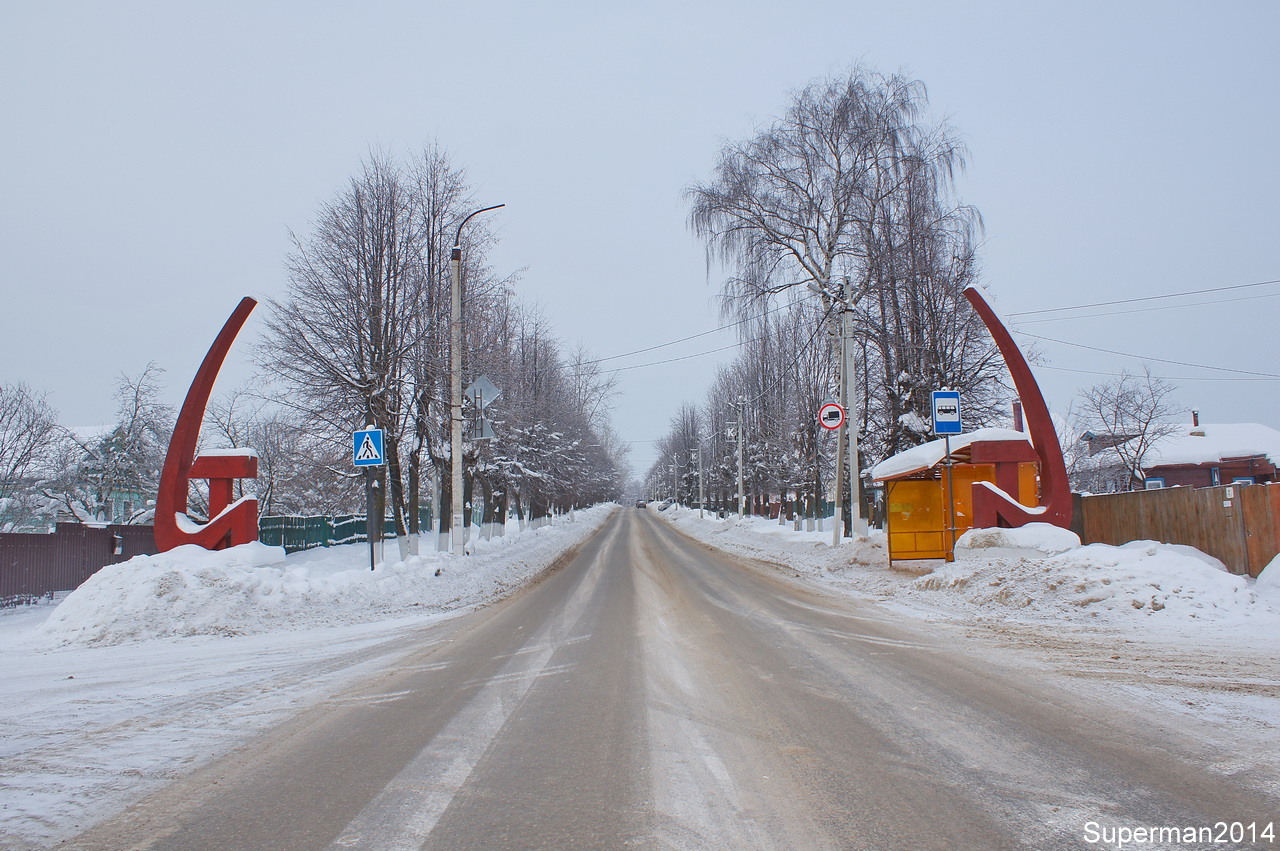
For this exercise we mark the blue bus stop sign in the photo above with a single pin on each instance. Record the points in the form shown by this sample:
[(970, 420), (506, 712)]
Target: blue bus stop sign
[(946, 412)]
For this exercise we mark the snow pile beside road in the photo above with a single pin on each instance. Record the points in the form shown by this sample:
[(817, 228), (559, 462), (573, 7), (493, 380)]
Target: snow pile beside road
[(255, 589), (807, 552), (1035, 573), (1040, 538), (1100, 582)]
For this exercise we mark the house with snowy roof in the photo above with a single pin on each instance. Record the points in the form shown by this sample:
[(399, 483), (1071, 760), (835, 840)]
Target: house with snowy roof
[(1205, 455)]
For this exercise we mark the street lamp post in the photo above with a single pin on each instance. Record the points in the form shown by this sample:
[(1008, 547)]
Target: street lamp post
[(456, 534)]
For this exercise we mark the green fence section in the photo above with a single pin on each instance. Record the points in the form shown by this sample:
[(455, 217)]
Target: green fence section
[(296, 532)]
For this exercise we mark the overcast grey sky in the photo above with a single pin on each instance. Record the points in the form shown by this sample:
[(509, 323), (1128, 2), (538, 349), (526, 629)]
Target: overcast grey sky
[(155, 155)]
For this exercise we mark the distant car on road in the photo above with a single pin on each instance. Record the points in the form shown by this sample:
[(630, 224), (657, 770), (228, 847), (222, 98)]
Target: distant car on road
[(641, 504)]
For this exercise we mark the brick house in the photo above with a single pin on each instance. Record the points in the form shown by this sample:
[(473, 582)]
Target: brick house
[(1205, 455)]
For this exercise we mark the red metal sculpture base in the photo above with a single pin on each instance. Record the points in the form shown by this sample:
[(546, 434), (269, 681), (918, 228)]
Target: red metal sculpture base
[(230, 523), (991, 505)]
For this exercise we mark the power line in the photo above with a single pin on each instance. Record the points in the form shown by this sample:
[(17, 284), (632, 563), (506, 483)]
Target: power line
[(1143, 357), (1144, 298), (1148, 309), (685, 357), (686, 339), (1164, 377)]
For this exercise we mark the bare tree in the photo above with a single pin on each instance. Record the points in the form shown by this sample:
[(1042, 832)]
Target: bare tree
[(113, 477), (342, 340), (851, 194), (28, 433), (1127, 417), (363, 338)]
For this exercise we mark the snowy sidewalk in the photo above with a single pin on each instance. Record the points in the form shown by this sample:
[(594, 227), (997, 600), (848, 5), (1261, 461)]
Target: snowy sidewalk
[(159, 665)]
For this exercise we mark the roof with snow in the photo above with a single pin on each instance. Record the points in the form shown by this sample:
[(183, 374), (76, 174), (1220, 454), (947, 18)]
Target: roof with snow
[(1213, 442), (929, 455)]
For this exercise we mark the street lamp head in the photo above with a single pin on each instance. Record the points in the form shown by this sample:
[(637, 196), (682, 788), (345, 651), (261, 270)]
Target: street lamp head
[(457, 237)]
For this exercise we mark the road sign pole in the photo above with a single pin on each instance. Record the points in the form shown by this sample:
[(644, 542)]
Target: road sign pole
[(951, 503), (368, 450), (369, 521)]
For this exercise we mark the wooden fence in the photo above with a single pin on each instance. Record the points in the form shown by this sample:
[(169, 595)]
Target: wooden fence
[(1237, 524)]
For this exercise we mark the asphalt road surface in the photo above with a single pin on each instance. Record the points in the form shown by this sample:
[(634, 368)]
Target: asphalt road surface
[(655, 693)]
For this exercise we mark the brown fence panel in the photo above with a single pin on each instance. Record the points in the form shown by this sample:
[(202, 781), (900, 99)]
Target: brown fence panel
[(1261, 506), (1239, 525), (36, 565)]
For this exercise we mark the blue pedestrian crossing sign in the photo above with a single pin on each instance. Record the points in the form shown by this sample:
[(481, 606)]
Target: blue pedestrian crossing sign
[(946, 412), (366, 448)]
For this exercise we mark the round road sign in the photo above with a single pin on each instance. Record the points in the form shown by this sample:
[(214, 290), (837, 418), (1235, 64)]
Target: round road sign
[(831, 416)]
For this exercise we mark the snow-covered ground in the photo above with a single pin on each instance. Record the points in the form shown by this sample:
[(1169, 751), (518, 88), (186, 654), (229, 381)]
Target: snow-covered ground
[(1165, 625), (160, 664)]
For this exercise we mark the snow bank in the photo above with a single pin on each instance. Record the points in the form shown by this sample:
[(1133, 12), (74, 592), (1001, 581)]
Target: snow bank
[(1268, 582), (256, 589), (1034, 574), (1038, 537), (1142, 579)]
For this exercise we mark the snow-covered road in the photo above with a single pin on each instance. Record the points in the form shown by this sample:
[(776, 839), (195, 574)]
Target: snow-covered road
[(115, 697), (159, 666)]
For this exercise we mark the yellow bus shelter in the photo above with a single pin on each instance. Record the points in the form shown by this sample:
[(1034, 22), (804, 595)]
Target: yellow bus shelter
[(916, 487)]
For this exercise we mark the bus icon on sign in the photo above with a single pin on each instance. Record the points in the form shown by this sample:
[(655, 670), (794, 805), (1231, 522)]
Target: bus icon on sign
[(946, 412)]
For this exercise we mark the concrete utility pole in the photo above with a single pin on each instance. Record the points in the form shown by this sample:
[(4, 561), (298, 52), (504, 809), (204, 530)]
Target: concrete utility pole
[(847, 433), (456, 530), (702, 495), (742, 491)]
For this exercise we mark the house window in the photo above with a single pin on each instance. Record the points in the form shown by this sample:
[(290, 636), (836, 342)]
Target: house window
[(1242, 480), (1215, 476), (1154, 483)]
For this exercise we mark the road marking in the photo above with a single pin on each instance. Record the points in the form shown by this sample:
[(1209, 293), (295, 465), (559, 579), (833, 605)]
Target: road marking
[(858, 636), (402, 816), (526, 675), (371, 699)]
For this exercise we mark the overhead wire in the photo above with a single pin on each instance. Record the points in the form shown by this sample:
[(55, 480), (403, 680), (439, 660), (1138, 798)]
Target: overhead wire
[(685, 339), (1147, 309), (1143, 298), (1164, 377), (1268, 375), (683, 357)]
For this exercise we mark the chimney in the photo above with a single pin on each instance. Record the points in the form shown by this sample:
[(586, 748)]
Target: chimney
[(1017, 415), (1195, 417)]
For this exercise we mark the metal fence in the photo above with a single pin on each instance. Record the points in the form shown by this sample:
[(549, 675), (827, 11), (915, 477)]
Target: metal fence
[(304, 532), (35, 566), (296, 533)]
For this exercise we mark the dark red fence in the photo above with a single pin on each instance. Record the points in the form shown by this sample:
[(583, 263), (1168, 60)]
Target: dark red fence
[(35, 565)]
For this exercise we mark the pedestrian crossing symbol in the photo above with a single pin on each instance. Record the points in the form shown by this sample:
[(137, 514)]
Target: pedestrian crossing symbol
[(367, 448)]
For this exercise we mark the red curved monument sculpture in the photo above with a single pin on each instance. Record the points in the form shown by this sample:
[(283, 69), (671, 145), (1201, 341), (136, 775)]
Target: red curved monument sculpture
[(992, 506), (229, 523)]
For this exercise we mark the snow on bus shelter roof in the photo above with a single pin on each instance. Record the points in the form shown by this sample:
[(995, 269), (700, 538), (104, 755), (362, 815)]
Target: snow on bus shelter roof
[(929, 455)]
